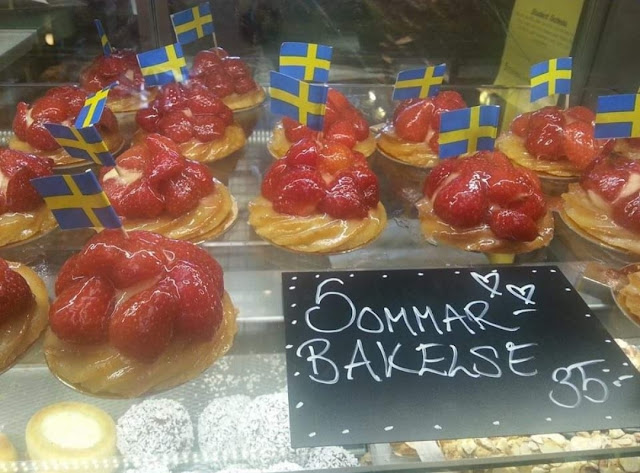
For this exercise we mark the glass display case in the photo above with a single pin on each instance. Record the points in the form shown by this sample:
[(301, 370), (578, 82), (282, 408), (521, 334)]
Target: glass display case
[(234, 415)]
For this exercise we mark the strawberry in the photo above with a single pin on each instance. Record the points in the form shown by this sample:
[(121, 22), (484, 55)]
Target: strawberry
[(412, 123), (207, 128), (235, 67), (448, 100), (71, 272), (512, 225), (137, 200), (579, 143), (343, 199), (434, 142), (164, 165), (148, 118), (342, 132), (367, 184), (334, 157), (337, 100), (504, 190), (581, 113), (80, 314), (462, 202), (200, 177), (360, 125), (112, 66), (180, 195), (20, 195), (626, 212), (171, 97), (244, 85), (295, 131), (219, 82), (205, 103), (136, 158), (159, 144), (406, 103), (136, 264), (226, 115), (203, 62), (200, 311), (520, 124), (546, 116), (142, 326), (108, 122), (20, 121), (532, 205), (15, 293), (11, 161), (176, 126), (545, 142), (303, 153), (438, 175), (271, 181), (40, 138), (331, 115), (72, 96), (300, 191), (605, 179)]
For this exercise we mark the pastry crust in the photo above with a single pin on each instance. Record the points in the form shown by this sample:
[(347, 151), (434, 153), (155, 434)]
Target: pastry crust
[(131, 102), (623, 147), (594, 222), (479, 238), (279, 144), (415, 154), (114, 141), (214, 215), (20, 227), (513, 146), (194, 149), (104, 371), (18, 333), (318, 233), (239, 102), (629, 296)]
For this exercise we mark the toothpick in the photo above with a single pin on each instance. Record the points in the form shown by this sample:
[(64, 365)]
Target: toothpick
[(215, 40)]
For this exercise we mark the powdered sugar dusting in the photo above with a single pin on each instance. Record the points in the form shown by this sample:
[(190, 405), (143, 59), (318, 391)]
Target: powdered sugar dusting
[(330, 457)]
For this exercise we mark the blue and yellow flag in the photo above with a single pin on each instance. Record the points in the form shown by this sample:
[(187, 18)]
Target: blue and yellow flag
[(84, 143), (419, 83), (468, 130), (193, 23), (77, 201), (93, 107), (106, 45), (618, 116), (298, 100), (551, 77), (163, 65), (306, 61)]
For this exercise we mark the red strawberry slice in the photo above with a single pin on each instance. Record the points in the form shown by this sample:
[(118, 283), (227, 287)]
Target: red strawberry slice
[(108, 122), (137, 264), (244, 85), (295, 131), (226, 114), (149, 118), (406, 103), (412, 123), (532, 205), (235, 67), (15, 293), (203, 62), (176, 125), (300, 191), (164, 165), (545, 142), (142, 326), (271, 181), (171, 97), (579, 143), (219, 82), (40, 138), (367, 184), (520, 124), (546, 116), (338, 100), (160, 144), (72, 271), (334, 157), (208, 128), (512, 225), (626, 212), (180, 195), (448, 100), (138, 200), (581, 113), (200, 177), (20, 195), (112, 66), (604, 178), (303, 153), (360, 124), (504, 189), (136, 158), (343, 199), (438, 175), (20, 121), (462, 202), (205, 103), (73, 97), (342, 132), (80, 314)]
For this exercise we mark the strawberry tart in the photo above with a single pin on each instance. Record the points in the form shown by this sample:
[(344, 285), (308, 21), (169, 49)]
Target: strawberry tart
[(154, 188), (59, 105), (122, 66), (193, 117), (24, 305), (343, 123), (605, 205), (553, 142), (228, 77), (320, 198), (484, 203), (137, 314), (23, 213), (412, 136)]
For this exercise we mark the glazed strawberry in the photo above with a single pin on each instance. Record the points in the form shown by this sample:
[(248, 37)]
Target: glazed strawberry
[(338, 100), (244, 85), (176, 125), (295, 131), (164, 165), (204, 103), (579, 143), (120, 66), (581, 113), (180, 196), (303, 153), (134, 201), (300, 192), (207, 127), (438, 175), (72, 96), (342, 132), (219, 82), (520, 124), (18, 169), (462, 202), (149, 119), (15, 294), (545, 141), (343, 199), (365, 182), (448, 100), (40, 138), (606, 176), (513, 225), (412, 123), (626, 212), (80, 314), (171, 97), (504, 190), (155, 143), (203, 62), (403, 105), (20, 121), (271, 181), (176, 251), (547, 116), (334, 157), (235, 67), (49, 109), (359, 124)]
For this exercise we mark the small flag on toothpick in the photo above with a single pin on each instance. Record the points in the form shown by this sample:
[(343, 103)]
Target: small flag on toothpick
[(163, 65), (419, 83), (468, 130), (306, 61), (618, 116), (93, 107), (84, 143), (77, 201), (298, 100), (551, 77), (193, 23), (106, 45)]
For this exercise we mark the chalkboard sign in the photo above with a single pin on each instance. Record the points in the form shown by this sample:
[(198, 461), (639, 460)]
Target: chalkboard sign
[(381, 356)]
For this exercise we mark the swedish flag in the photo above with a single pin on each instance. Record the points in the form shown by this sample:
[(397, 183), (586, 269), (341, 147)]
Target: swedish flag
[(77, 201), (93, 107), (163, 65), (84, 143), (306, 61), (193, 23), (618, 116), (551, 77), (298, 100), (106, 45), (468, 130), (419, 83)]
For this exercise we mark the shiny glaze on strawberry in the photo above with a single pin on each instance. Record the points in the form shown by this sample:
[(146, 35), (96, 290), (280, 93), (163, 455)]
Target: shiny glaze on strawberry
[(15, 294), (58, 105), (16, 171), (121, 66), (152, 178), (221, 73), (321, 177), (487, 190), (183, 113), (138, 294)]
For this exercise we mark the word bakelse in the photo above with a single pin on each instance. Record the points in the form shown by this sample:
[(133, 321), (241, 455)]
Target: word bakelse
[(433, 358)]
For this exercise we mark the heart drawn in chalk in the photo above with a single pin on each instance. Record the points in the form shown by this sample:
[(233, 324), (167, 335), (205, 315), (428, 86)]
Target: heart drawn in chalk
[(524, 293), (485, 281)]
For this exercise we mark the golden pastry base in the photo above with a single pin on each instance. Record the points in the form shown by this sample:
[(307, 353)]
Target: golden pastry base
[(103, 371), (61, 159), (513, 147), (132, 103), (213, 216), (628, 296), (279, 145), (19, 228), (480, 239), (242, 102), (232, 141), (21, 331), (8, 452), (595, 224), (319, 233), (393, 147)]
